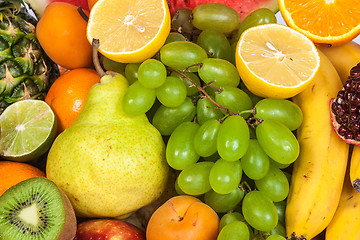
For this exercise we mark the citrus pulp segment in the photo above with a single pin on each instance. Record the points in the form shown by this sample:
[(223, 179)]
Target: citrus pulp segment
[(129, 30), (332, 22), (276, 61), (28, 128)]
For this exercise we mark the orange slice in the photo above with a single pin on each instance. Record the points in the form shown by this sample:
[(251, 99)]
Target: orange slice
[(129, 30), (332, 22), (276, 61)]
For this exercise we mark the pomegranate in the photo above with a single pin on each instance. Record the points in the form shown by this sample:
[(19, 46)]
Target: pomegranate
[(345, 109)]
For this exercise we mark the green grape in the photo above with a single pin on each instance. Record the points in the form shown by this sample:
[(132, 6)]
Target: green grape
[(178, 189), (279, 165), (212, 158), (172, 93), (211, 90), (181, 54), (151, 73), (284, 111), (138, 99), (259, 211), (174, 37), (234, 99), (288, 176), (181, 20), (279, 143), (276, 237), (254, 98), (225, 176), (215, 15), (258, 17), (215, 43), (233, 138), (279, 229), (111, 65), (229, 218), (223, 203), (280, 208), (236, 230), (205, 110), (180, 151), (255, 162), (274, 185), (205, 138), (131, 72), (192, 90), (167, 119), (194, 179), (222, 72), (150, 114)]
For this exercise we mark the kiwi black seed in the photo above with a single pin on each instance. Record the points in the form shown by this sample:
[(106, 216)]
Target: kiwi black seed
[(36, 209)]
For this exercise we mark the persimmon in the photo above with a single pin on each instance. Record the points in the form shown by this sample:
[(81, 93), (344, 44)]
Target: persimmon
[(67, 95), (61, 32), (183, 217)]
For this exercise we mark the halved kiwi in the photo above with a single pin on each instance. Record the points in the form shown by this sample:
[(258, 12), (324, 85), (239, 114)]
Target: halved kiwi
[(36, 209)]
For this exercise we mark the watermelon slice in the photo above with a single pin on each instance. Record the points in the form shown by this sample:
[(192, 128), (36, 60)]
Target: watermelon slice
[(243, 7), (38, 6)]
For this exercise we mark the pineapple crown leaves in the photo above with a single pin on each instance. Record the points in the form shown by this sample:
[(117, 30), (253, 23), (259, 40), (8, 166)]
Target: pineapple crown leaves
[(12, 6)]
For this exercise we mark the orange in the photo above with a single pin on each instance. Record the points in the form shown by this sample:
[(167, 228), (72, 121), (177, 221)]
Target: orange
[(14, 172), (67, 95), (129, 30), (61, 32), (332, 22), (183, 217)]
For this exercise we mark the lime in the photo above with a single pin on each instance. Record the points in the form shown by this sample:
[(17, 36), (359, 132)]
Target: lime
[(28, 128)]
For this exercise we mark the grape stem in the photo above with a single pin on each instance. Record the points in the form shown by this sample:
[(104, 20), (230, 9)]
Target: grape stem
[(202, 89), (252, 122)]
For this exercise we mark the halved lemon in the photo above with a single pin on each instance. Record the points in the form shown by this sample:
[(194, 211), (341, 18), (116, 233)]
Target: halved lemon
[(276, 61), (332, 22), (129, 30)]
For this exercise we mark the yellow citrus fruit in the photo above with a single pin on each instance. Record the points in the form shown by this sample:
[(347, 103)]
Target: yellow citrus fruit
[(129, 30), (276, 61), (332, 22)]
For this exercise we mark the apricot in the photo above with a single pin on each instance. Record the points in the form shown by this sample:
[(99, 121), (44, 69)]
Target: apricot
[(183, 217), (61, 32)]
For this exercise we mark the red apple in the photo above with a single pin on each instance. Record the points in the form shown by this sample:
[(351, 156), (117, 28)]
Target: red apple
[(109, 229)]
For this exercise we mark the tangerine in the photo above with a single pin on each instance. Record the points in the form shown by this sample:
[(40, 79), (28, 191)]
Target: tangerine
[(14, 172), (61, 32), (68, 93)]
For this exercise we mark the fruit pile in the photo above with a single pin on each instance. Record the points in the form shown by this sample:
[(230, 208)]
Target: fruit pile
[(199, 120)]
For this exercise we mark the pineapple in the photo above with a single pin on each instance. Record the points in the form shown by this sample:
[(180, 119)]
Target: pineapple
[(25, 70)]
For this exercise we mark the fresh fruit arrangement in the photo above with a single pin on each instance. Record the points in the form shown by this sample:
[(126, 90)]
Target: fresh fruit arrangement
[(195, 120)]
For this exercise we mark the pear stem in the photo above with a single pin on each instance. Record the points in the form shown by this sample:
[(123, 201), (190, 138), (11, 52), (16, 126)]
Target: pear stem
[(95, 57)]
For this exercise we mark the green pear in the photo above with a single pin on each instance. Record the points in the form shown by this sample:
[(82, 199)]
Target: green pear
[(109, 164)]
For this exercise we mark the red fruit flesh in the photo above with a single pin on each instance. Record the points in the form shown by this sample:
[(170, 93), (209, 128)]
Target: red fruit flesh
[(243, 7), (345, 109)]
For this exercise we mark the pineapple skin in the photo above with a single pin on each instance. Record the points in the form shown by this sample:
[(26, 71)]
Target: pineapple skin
[(26, 72)]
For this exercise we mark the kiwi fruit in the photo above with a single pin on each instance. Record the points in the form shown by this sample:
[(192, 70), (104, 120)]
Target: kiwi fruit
[(36, 209)]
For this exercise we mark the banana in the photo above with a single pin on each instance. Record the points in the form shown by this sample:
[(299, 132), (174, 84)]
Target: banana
[(346, 222), (355, 168), (318, 173), (343, 57)]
